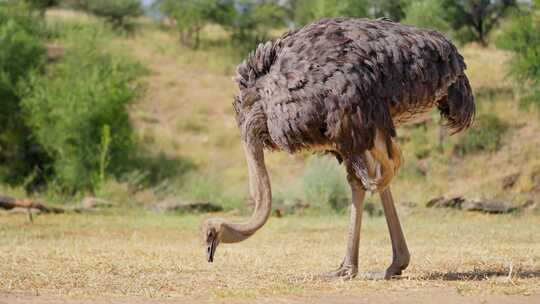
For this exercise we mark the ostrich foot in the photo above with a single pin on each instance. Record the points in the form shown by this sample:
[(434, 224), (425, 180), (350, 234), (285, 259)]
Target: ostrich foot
[(393, 272), (346, 272)]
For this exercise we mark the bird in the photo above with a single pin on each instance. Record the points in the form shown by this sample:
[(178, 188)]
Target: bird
[(342, 86)]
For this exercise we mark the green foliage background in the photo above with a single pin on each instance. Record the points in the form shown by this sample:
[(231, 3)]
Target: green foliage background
[(66, 123), (55, 116), (486, 135), (21, 53), (521, 36), (324, 184), (115, 11), (69, 109)]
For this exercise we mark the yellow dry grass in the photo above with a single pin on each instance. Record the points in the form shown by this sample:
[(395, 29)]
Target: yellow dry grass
[(156, 256)]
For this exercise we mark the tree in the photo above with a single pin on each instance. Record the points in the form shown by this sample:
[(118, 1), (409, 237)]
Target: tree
[(428, 14), (393, 9), (522, 37), (474, 19), (250, 22), (190, 17), (114, 11), (42, 5), (22, 53), (256, 20), (306, 11)]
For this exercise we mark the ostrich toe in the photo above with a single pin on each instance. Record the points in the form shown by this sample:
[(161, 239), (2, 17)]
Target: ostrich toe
[(346, 272)]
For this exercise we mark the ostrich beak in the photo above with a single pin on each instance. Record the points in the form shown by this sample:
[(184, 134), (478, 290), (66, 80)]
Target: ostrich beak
[(210, 250)]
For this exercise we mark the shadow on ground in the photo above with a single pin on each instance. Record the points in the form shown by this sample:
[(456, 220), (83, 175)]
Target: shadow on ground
[(474, 275), (480, 275)]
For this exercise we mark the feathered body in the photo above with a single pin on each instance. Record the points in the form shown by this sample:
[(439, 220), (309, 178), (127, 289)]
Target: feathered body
[(334, 83), (343, 85)]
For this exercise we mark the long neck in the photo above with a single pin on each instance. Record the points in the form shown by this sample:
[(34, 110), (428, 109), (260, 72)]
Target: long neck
[(261, 193)]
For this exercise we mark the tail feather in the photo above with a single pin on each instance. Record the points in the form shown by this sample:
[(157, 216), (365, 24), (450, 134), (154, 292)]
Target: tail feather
[(458, 108)]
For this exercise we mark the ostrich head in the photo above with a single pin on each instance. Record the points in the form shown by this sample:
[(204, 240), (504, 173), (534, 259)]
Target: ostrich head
[(217, 230), (212, 233)]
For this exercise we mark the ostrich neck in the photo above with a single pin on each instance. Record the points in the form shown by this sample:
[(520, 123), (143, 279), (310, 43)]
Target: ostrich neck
[(261, 193)]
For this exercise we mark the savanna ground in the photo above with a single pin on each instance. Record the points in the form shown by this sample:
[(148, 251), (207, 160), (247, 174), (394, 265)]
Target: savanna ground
[(140, 256), (128, 255)]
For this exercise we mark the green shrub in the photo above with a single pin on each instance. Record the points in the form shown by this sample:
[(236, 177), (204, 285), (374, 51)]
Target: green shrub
[(73, 34), (474, 20), (428, 14), (306, 11), (66, 126), (114, 11), (42, 5), (78, 115), (522, 38), (21, 53), (190, 17), (25, 18), (325, 184), (253, 23), (420, 141), (392, 9), (485, 135)]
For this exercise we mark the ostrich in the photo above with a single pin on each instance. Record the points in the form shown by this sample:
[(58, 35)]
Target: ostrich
[(342, 86)]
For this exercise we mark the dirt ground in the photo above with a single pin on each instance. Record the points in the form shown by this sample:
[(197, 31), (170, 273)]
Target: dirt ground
[(147, 258), (416, 296)]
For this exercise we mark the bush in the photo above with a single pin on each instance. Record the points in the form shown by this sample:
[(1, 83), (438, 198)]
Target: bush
[(256, 22), (78, 115), (428, 14), (25, 18), (190, 16), (66, 126), (252, 23), (114, 11), (21, 53), (474, 20), (42, 5), (392, 9), (420, 141), (522, 38), (306, 11), (486, 135), (325, 184)]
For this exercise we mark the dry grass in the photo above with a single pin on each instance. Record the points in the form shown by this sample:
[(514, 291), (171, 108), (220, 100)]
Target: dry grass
[(146, 255)]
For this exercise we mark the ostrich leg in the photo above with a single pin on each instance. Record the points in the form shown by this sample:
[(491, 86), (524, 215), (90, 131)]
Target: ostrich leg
[(400, 252), (349, 267)]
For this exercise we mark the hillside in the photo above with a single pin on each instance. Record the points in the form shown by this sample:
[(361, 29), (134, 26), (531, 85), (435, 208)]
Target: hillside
[(185, 117)]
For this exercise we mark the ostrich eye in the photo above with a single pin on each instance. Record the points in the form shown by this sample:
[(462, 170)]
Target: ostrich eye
[(210, 234)]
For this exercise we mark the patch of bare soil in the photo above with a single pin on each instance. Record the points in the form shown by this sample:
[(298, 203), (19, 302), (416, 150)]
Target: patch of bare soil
[(416, 296)]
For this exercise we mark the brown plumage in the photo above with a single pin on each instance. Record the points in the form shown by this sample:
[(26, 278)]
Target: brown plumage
[(343, 86), (334, 82)]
